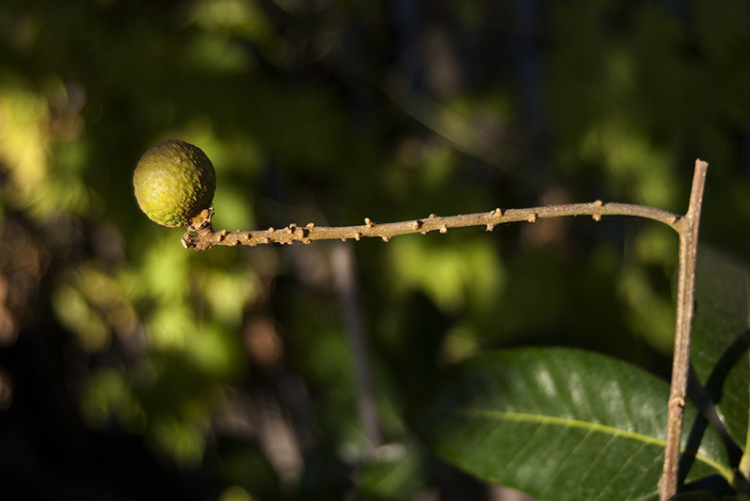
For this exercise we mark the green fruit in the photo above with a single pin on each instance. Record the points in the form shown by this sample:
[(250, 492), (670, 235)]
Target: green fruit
[(174, 182)]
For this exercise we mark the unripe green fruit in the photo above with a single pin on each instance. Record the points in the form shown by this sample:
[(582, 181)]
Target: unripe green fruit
[(174, 182)]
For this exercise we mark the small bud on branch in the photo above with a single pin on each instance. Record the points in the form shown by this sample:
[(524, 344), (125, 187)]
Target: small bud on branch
[(203, 237)]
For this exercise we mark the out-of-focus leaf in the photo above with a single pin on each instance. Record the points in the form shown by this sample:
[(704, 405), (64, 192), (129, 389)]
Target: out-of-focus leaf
[(165, 271), (721, 337), (227, 292), (24, 118), (76, 314), (229, 16), (632, 156), (182, 439), (109, 396), (559, 424), (395, 474), (235, 493), (245, 466), (651, 312), (452, 275), (215, 352)]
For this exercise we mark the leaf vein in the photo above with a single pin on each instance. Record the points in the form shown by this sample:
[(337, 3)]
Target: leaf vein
[(585, 425)]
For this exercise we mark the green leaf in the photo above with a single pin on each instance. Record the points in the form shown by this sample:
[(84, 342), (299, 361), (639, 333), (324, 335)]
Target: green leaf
[(396, 473), (721, 337), (559, 424)]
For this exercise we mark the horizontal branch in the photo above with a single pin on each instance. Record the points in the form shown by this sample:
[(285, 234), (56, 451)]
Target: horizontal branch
[(205, 237)]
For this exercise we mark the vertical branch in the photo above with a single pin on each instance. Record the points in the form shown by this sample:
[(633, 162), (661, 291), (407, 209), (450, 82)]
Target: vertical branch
[(687, 227), (343, 266)]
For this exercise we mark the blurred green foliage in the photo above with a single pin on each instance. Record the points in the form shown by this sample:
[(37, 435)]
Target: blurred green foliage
[(238, 359)]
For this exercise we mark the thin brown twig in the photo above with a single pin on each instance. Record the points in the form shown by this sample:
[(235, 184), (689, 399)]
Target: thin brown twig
[(201, 236), (687, 228), (205, 237)]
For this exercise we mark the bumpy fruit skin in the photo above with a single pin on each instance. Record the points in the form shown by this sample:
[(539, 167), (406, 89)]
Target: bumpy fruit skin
[(174, 181)]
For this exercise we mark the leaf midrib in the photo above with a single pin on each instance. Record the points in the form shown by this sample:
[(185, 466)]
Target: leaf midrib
[(590, 426)]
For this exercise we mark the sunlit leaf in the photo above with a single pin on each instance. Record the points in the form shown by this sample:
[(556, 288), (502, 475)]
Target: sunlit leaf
[(235, 493), (24, 118), (227, 293), (453, 276), (76, 314), (216, 352), (559, 424), (182, 440)]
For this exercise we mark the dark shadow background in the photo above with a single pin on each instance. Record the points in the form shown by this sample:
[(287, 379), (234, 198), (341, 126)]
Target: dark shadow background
[(132, 369)]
